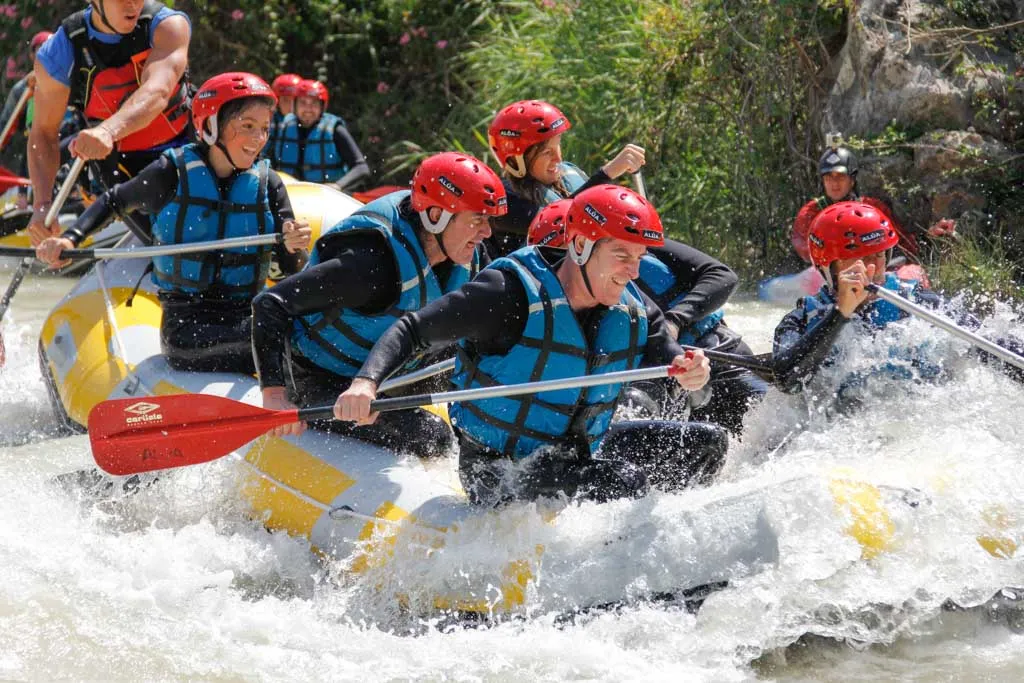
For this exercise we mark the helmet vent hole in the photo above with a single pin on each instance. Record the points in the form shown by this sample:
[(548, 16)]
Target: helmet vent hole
[(488, 189)]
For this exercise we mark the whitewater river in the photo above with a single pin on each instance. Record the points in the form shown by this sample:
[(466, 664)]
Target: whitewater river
[(176, 583)]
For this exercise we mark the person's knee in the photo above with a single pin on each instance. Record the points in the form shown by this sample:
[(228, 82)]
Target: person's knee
[(605, 480)]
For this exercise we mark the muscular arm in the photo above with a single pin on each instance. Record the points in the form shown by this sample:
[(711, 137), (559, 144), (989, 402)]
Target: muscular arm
[(709, 282), (354, 158), (51, 101), (357, 271), (490, 311), (159, 80)]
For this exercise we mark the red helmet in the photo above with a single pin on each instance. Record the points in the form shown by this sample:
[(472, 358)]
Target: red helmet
[(38, 39), (611, 211), (456, 182), (286, 85), (522, 125), (218, 91), (849, 230), (548, 227), (311, 88)]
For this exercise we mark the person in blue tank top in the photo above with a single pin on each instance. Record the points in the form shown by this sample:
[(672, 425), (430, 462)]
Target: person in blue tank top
[(399, 253), (530, 318), (690, 287), (210, 190), (849, 242), (526, 139), (315, 145)]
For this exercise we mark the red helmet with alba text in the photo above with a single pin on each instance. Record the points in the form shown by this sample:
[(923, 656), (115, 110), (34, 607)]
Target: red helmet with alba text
[(38, 40), (456, 182), (611, 212), (548, 227), (522, 125), (849, 230), (286, 85), (218, 91)]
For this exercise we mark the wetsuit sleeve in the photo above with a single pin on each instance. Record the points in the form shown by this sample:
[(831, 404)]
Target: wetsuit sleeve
[(709, 281), (662, 345), (598, 178), (357, 271), (798, 353), (354, 158), (148, 193), (490, 312), (519, 216), (281, 209), (12, 101)]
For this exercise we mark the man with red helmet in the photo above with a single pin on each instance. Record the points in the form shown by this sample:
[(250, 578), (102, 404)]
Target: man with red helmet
[(216, 188), (527, 318), (286, 87), (690, 288), (838, 169), (394, 256), (14, 145), (526, 139), (315, 145), (123, 63)]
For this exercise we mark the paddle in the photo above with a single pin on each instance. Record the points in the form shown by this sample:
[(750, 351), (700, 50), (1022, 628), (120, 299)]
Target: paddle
[(150, 252), (26, 263), (131, 436), (18, 108), (948, 325)]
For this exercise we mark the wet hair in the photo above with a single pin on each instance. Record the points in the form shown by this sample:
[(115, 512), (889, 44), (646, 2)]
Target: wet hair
[(529, 187), (234, 108)]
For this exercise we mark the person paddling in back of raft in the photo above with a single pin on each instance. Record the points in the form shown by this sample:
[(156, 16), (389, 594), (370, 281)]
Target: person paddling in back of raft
[(526, 139), (838, 170), (399, 253), (527, 318), (314, 145), (286, 87), (690, 288), (214, 189), (123, 63), (849, 245)]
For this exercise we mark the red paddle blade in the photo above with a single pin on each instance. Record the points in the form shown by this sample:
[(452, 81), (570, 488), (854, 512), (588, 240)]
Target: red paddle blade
[(133, 435)]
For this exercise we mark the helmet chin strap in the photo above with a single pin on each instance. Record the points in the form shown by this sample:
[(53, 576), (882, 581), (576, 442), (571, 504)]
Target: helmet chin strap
[(98, 5), (436, 228), (211, 138), (581, 258)]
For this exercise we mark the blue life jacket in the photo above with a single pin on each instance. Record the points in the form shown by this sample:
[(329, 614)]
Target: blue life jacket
[(198, 213), (315, 159), (270, 148), (340, 339), (659, 282), (573, 179), (553, 346)]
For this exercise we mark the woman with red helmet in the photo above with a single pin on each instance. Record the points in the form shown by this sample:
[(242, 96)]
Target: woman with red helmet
[(525, 137), (286, 87), (391, 258), (690, 288), (213, 189), (536, 315), (315, 145)]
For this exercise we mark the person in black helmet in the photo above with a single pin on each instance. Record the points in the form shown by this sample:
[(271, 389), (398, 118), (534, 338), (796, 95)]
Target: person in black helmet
[(837, 169)]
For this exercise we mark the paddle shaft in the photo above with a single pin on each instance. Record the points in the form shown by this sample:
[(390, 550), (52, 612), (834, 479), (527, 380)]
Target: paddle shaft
[(18, 109), (112, 254), (51, 215), (638, 180), (948, 325), (420, 400)]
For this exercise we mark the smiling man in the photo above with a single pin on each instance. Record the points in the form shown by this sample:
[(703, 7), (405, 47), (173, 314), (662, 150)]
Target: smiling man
[(539, 315), (123, 63), (395, 255)]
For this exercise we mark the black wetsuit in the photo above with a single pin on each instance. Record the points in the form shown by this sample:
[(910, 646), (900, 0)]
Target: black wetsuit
[(205, 332), (356, 271), (348, 150), (708, 283), (491, 312), (511, 229)]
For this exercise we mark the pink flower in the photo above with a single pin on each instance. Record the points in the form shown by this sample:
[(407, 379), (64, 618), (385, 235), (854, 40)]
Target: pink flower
[(421, 32), (374, 139), (11, 11), (12, 69), (404, 40), (383, 87), (26, 22), (441, 44), (549, 4), (237, 15)]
